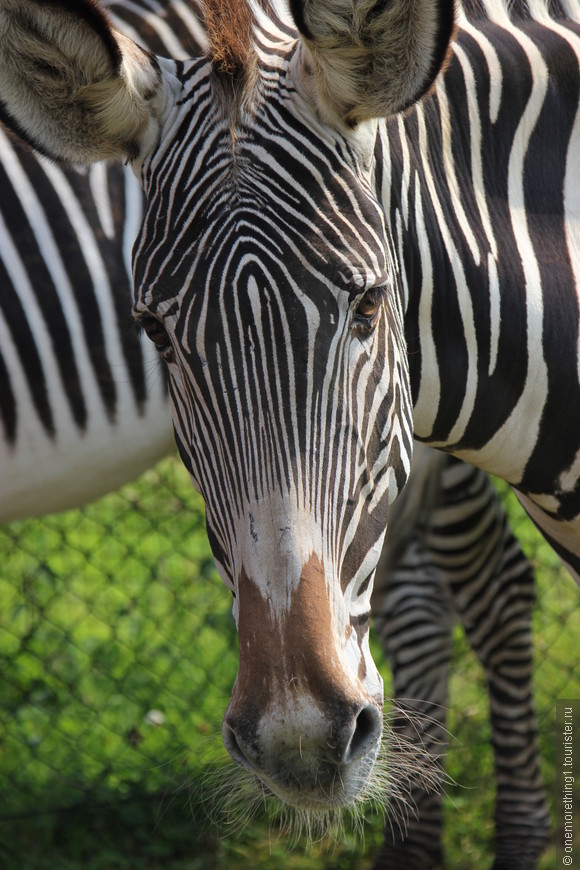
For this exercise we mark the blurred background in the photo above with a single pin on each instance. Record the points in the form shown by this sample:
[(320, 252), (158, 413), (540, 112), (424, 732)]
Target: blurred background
[(117, 656)]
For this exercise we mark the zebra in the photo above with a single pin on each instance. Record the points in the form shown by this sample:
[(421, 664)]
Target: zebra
[(82, 409), (321, 283), (413, 605), (414, 599)]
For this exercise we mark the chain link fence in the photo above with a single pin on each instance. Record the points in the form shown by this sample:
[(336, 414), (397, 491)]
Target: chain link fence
[(117, 656)]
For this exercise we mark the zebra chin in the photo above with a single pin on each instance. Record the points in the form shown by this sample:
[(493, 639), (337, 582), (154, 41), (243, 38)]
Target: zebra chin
[(234, 796), (323, 799)]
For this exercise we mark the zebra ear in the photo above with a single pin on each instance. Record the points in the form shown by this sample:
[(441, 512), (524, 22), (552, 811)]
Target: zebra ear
[(372, 58), (71, 85)]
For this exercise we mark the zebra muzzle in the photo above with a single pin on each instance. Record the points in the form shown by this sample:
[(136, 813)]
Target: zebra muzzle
[(300, 717)]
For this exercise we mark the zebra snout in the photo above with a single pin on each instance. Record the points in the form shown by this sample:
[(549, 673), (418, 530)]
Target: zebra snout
[(307, 757)]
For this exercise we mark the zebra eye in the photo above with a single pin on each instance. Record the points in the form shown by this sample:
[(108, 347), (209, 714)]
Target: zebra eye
[(156, 332), (368, 307)]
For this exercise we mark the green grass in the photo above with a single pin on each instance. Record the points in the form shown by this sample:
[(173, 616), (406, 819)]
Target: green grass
[(117, 656)]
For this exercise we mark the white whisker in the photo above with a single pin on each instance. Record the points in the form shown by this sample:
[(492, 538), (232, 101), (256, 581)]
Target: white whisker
[(232, 798)]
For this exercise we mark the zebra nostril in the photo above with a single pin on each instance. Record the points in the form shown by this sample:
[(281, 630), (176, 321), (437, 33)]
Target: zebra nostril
[(367, 731), (236, 749)]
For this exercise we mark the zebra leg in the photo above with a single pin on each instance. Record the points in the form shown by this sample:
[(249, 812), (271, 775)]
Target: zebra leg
[(414, 625), (450, 546), (413, 618), (492, 587)]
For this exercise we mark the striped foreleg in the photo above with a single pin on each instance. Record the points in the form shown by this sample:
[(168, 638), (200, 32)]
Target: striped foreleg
[(498, 627), (414, 623)]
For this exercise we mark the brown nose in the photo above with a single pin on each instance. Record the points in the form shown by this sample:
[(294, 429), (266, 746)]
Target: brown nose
[(300, 716)]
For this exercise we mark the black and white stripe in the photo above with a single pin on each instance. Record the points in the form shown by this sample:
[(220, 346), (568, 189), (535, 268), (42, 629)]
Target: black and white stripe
[(83, 402), (481, 193), (66, 289), (449, 554)]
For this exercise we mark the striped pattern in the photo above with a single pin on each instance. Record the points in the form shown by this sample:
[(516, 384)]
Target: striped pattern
[(481, 193), (60, 314), (263, 245), (65, 268), (264, 373), (449, 551), (83, 403)]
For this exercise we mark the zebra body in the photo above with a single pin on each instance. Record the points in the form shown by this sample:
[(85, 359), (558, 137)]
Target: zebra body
[(493, 383), (83, 409), (83, 401), (304, 270)]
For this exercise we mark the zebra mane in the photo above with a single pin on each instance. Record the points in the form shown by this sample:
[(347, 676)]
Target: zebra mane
[(229, 25), (235, 30)]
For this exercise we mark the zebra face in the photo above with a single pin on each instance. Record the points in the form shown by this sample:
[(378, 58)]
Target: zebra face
[(277, 311), (265, 276)]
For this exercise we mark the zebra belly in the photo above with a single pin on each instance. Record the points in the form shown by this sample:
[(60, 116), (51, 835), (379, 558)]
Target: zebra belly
[(562, 535), (41, 475)]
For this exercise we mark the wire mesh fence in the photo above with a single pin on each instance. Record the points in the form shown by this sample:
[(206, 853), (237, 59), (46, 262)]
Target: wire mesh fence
[(117, 656)]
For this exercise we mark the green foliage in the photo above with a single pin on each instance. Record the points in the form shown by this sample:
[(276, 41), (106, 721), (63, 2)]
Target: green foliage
[(117, 656)]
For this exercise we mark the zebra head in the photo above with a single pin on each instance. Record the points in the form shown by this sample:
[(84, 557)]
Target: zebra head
[(266, 276)]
